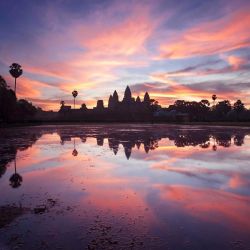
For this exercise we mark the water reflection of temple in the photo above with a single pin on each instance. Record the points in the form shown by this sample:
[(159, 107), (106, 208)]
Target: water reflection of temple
[(127, 137), (149, 139), (127, 141), (128, 145)]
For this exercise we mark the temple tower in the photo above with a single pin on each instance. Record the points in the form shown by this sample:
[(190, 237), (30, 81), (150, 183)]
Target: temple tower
[(146, 99), (127, 95)]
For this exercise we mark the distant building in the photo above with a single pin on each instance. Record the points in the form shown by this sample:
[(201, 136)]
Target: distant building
[(128, 109), (100, 105), (128, 100), (65, 108)]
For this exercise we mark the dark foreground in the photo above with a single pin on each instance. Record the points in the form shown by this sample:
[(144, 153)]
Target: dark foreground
[(124, 187)]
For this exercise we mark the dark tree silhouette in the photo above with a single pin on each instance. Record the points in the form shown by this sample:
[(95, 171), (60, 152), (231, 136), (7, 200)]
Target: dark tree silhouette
[(221, 109), (74, 93), (238, 106), (25, 108), (84, 106), (7, 101), (198, 111), (3, 83), (205, 102), (11, 109), (15, 71)]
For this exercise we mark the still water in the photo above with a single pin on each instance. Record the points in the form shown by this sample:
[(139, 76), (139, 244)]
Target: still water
[(125, 187)]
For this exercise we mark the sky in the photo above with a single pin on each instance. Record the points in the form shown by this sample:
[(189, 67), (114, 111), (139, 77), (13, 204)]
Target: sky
[(184, 50)]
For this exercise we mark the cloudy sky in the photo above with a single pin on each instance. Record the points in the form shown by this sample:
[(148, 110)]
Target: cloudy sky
[(174, 49)]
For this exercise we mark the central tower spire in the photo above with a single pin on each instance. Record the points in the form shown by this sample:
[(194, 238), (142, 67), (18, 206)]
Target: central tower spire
[(127, 95)]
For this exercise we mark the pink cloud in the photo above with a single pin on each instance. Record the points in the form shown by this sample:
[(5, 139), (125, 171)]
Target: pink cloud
[(92, 50), (236, 62), (224, 207), (27, 88), (225, 34)]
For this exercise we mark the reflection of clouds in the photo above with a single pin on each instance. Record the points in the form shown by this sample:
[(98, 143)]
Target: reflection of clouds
[(226, 168), (152, 190), (93, 182), (208, 204), (234, 178), (166, 148), (238, 180), (145, 142)]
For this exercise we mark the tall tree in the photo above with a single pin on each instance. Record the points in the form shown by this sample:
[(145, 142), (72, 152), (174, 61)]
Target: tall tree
[(15, 71), (74, 93)]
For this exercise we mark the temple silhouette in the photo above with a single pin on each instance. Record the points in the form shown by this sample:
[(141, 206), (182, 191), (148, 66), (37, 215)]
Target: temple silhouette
[(128, 109)]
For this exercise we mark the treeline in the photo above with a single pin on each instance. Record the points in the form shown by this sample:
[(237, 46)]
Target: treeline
[(205, 111), (11, 109)]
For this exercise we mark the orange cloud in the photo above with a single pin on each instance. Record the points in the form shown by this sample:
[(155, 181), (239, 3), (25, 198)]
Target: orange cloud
[(183, 92), (54, 104), (209, 38), (28, 88)]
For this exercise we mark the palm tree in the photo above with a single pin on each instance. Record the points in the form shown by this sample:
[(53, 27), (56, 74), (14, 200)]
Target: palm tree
[(15, 71), (74, 93), (214, 97), (16, 179)]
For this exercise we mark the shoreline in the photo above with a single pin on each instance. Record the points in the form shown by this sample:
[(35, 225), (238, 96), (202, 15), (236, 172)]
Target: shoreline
[(219, 124)]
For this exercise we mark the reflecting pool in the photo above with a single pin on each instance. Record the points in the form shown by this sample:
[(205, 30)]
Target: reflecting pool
[(125, 187)]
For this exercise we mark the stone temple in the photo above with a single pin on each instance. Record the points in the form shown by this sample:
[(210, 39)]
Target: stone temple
[(127, 109)]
